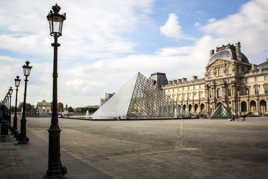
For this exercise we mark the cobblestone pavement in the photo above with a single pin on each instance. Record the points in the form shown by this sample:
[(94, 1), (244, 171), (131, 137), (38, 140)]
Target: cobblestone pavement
[(216, 149)]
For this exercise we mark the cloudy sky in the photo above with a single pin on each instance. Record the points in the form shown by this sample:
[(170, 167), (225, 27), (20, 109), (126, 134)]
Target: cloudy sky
[(105, 43)]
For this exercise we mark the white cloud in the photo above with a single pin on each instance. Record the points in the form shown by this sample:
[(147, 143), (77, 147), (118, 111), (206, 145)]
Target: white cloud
[(197, 24), (249, 25), (211, 20), (172, 27), (95, 28), (171, 51)]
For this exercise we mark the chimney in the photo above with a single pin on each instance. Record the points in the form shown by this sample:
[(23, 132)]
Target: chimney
[(194, 78), (238, 51), (253, 67), (211, 52)]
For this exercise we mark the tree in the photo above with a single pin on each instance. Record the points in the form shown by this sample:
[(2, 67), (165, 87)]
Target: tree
[(83, 110), (60, 107), (28, 106), (70, 109)]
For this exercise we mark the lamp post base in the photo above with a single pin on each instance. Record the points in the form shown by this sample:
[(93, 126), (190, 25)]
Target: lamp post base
[(16, 134), (56, 174), (13, 131), (22, 139), (4, 128)]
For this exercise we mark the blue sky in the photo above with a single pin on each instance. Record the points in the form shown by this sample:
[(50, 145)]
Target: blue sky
[(105, 43)]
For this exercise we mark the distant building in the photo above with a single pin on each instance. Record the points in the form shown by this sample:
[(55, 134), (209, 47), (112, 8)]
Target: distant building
[(44, 107), (106, 98)]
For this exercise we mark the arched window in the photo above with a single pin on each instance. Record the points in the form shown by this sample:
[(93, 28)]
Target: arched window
[(243, 106), (184, 107), (202, 107), (263, 106), (252, 106), (190, 107), (195, 107)]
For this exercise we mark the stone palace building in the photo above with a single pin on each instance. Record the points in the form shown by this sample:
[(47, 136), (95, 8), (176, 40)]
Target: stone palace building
[(230, 79)]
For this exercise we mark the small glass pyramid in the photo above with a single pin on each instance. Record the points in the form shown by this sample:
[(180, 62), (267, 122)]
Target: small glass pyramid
[(221, 111)]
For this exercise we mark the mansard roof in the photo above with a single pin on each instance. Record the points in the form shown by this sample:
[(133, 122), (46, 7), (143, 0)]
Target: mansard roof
[(264, 65), (228, 52)]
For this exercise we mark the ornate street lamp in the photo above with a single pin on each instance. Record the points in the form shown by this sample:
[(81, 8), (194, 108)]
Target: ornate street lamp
[(55, 167), (17, 84), (22, 138), (10, 96)]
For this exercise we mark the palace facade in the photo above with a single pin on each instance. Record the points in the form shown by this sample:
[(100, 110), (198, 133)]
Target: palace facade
[(230, 79)]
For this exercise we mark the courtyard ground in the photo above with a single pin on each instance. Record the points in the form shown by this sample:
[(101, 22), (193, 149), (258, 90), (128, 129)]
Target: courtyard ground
[(158, 149)]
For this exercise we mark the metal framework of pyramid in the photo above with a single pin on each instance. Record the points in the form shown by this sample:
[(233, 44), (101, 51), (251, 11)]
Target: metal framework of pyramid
[(139, 98), (221, 112)]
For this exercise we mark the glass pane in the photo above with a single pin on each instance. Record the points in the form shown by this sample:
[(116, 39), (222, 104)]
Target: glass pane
[(50, 26), (26, 71), (17, 83), (56, 26)]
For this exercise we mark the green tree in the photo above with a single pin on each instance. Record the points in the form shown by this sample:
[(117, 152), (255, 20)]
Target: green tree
[(28, 106), (60, 107), (70, 109), (83, 110)]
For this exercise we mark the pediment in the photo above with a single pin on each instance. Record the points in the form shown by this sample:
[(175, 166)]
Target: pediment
[(218, 62)]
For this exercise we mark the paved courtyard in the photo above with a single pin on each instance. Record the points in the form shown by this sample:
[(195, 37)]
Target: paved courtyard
[(166, 149)]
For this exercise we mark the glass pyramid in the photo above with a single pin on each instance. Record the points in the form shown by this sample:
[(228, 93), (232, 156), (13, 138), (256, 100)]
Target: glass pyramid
[(221, 111), (139, 98)]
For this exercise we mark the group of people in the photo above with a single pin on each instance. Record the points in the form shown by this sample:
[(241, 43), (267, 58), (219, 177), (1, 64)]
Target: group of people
[(233, 118)]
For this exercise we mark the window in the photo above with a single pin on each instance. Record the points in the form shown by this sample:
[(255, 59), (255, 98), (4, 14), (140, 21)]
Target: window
[(201, 94), (256, 89), (219, 72), (265, 86), (229, 92), (265, 77), (218, 92), (227, 70), (210, 74), (243, 91)]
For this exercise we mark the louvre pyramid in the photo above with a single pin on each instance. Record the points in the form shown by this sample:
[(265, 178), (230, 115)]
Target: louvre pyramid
[(139, 98), (221, 111)]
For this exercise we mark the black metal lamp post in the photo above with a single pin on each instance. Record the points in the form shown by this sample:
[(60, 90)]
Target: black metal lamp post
[(10, 96), (55, 167), (4, 126), (17, 84), (23, 139)]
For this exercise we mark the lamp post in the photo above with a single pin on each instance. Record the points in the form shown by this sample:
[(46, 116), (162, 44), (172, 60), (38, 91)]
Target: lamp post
[(17, 84), (55, 167), (10, 96), (23, 139), (4, 126)]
